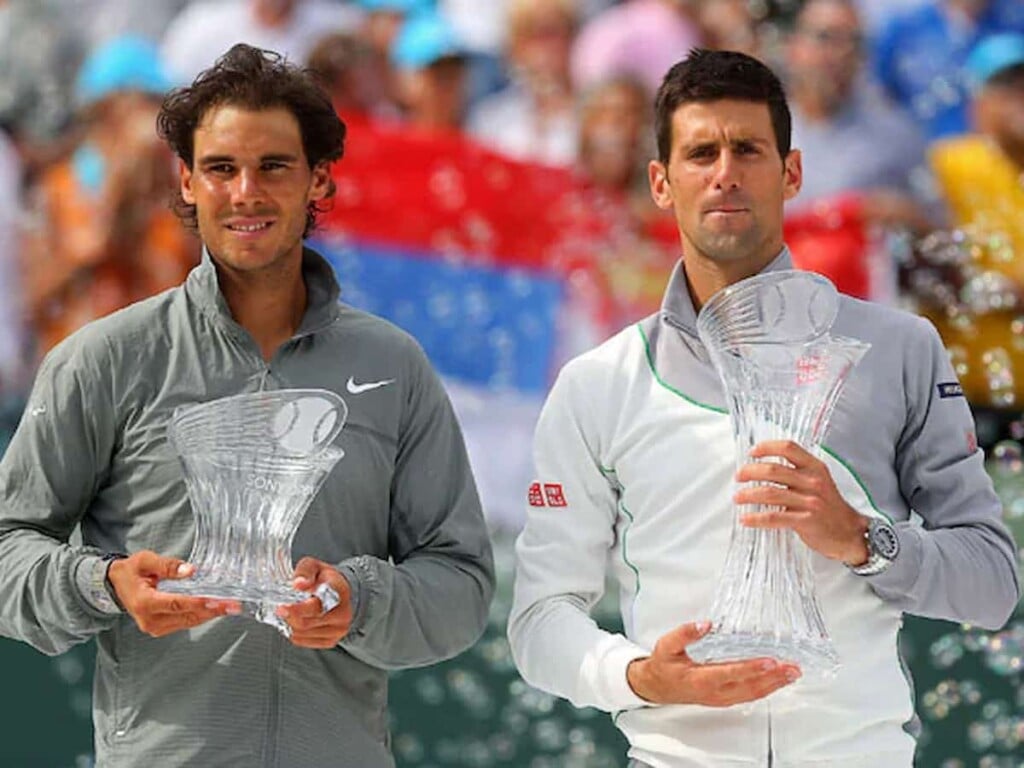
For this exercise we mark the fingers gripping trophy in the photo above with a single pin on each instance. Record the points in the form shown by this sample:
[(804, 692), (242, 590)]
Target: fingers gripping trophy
[(782, 370), (253, 464)]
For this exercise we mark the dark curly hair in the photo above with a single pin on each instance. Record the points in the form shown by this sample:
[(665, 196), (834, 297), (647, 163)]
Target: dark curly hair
[(711, 75), (253, 78)]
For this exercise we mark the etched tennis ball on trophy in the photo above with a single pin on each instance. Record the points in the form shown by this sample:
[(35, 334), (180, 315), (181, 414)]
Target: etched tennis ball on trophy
[(253, 464)]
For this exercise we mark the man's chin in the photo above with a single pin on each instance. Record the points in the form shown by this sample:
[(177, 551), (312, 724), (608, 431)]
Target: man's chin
[(727, 248)]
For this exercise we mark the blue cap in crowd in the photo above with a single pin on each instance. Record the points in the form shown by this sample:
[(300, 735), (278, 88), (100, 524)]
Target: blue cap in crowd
[(993, 55), (123, 64), (424, 39), (401, 6)]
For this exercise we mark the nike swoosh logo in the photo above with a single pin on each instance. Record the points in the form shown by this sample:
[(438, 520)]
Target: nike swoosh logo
[(356, 389)]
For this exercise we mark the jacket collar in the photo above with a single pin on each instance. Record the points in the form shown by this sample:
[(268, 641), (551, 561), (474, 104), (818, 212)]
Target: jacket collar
[(322, 291), (677, 306)]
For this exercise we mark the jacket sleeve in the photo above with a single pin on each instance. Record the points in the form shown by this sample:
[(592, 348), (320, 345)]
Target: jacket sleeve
[(430, 600), (48, 476), (960, 564), (561, 556)]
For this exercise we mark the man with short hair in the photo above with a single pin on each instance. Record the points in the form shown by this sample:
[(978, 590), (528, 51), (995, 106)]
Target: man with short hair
[(396, 529), (636, 439)]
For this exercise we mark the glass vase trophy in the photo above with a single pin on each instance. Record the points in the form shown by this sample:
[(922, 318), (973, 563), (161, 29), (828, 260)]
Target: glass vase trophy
[(253, 464), (782, 371)]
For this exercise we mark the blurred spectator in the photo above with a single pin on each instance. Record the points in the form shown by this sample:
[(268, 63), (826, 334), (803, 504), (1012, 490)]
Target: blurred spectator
[(626, 244), (482, 27), (381, 21), (103, 20), (534, 118), (850, 139), (860, 157), (729, 25), (352, 74), (430, 60), (642, 38), (920, 55), (616, 143), (38, 59), (102, 233), (876, 14), (977, 308), (208, 28), (384, 18), (13, 371)]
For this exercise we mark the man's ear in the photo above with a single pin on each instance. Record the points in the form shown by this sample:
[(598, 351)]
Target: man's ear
[(793, 173), (320, 185), (185, 175), (657, 177)]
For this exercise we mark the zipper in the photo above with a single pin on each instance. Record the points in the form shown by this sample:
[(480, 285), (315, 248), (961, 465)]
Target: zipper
[(771, 756), (284, 349), (271, 753)]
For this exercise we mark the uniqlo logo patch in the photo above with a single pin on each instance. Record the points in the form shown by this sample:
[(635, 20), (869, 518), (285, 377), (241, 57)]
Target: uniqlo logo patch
[(535, 496), (554, 495)]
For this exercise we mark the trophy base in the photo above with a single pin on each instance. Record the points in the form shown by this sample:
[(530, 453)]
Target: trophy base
[(816, 660), (259, 602)]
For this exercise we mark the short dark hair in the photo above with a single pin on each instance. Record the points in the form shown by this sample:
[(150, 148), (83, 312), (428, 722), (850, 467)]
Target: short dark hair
[(1012, 77), (712, 75), (257, 79)]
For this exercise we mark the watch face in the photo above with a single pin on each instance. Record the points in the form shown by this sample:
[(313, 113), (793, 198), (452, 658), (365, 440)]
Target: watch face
[(883, 540)]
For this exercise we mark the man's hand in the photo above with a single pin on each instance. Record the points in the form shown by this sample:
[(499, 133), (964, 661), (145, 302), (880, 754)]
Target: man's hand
[(809, 502), (311, 627), (158, 613), (669, 676)]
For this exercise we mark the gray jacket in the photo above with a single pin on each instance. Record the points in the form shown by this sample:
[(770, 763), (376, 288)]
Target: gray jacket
[(399, 515)]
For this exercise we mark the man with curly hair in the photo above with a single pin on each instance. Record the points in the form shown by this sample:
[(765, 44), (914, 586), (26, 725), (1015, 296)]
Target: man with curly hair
[(396, 530)]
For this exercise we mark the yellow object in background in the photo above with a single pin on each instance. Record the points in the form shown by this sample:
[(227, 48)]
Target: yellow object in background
[(984, 193)]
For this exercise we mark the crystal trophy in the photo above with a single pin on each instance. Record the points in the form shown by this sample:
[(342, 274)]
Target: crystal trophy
[(782, 371), (252, 465)]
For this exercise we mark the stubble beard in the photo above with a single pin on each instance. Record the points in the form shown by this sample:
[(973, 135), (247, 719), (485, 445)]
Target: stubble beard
[(728, 247)]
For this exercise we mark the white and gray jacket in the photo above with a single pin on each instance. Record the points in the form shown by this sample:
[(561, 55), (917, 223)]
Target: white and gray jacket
[(636, 434), (399, 516)]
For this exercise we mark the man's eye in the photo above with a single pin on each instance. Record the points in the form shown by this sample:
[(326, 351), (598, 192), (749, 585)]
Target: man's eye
[(219, 168), (274, 166)]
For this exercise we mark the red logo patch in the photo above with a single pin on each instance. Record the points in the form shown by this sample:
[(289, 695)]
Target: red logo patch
[(809, 369), (553, 493), (534, 496), (972, 441)]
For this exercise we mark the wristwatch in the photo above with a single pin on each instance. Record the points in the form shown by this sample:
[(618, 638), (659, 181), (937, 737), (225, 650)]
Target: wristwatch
[(100, 591), (883, 547)]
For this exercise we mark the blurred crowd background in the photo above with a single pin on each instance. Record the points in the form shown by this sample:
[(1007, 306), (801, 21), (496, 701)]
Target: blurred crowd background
[(493, 200)]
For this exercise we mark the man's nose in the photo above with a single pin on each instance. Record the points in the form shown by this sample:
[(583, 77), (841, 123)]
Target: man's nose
[(726, 171), (246, 187)]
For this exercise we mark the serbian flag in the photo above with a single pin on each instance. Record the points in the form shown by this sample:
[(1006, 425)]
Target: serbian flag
[(501, 270)]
